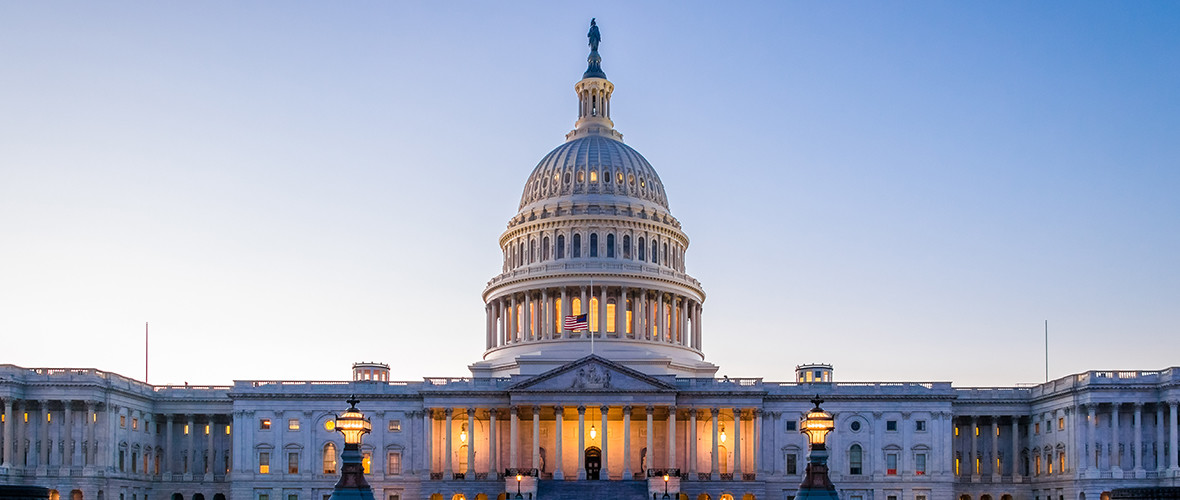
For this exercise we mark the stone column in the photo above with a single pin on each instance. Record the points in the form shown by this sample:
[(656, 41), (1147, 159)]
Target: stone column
[(191, 450), (639, 318), (671, 437), (605, 441), (1137, 451), (691, 462), (1079, 445), (8, 423), (546, 311), (513, 320), (559, 418), (1159, 436), (737, 444), (876, 461), (651, 439), (1173, 451), (448, 447), (69, 443), (581, 442), (661, 317), (427, 440), (1092, 437), (974, 449), (43, 423), (469, 473), (1116, 458), (565, 309), (213, 451), (514, 437), (627, 474), (537, 437), (602, 328), (584, 308), (714, 472), (1015, 460), (493, 450), (757, 457), (995, 439)]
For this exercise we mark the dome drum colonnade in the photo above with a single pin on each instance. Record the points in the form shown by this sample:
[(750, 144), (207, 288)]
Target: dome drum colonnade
[(452, 457), (593, 235)]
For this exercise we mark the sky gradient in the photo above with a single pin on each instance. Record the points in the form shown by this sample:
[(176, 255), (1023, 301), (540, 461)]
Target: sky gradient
[(905, 190)]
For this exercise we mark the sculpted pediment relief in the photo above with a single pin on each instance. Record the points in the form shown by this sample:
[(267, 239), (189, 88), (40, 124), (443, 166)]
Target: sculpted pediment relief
[(592, 374)]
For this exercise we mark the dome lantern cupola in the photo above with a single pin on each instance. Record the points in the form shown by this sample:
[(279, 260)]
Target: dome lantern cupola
[(594, 92)]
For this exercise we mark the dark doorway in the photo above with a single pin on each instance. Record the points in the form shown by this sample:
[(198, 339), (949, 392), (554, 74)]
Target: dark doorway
[(593, 462)]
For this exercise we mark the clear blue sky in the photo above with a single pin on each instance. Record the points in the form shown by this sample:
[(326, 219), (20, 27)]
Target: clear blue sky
[(906, 190)]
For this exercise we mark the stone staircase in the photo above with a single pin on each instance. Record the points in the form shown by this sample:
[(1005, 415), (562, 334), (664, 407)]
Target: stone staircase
[(591, 490)]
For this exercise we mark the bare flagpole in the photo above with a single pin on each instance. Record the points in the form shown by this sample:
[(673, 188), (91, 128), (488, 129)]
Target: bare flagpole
[(1046, 350), (145, 351), (588, 315)]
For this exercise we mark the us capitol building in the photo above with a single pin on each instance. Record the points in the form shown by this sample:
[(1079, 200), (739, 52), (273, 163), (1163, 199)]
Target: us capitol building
[(594, 235)]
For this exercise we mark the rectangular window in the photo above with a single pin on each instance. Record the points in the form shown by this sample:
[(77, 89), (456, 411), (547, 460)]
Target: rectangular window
[(185, 429), (792, 464), (135, 424), (891, 464), (227, 429), (395, 497), (958, 462), (792, 426), (122, 457), (263, 496), (208, 429), (956, 431), (1037, 469), (264, 424), (920, 425), (891, 425), (292, 497), (395, 426), (123, 421), (920, 497), (1061, 423), (1037, 428), (920, 464), (367, 461), (264, 463), (293, 424), (292, 463), (395, 463), (890, 497)]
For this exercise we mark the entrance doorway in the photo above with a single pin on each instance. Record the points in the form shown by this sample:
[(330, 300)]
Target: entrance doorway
[(593, 462)]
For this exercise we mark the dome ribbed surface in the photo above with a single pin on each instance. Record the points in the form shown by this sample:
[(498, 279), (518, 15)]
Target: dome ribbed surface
[(593, 165)]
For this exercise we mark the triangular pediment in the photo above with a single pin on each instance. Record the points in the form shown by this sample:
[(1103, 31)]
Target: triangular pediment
[(592, 374)]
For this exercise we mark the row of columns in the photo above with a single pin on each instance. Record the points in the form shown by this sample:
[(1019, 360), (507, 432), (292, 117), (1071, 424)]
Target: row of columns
[(534, 315), (1095, 448), (26, 434), (515, 415)]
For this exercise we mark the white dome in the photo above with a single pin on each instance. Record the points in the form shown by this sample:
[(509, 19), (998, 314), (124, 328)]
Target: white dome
[(590, 167)]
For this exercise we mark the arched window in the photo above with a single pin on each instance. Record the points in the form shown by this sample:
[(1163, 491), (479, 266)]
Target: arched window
[(561, 246), (626, 246), (642, 249), (330, 458), (545, 248), (532, 251), (594, 244), (666, 254), (610, 246), (611, 319), (655, 251), (576, 246), (855, 460)]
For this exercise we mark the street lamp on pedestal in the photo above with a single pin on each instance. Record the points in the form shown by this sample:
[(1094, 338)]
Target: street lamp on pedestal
[(352, 484), (816, 483)]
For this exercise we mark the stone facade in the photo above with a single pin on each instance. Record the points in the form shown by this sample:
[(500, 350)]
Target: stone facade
[(626, 397)]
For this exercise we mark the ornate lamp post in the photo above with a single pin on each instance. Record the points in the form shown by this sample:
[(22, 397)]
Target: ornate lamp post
[(352, 484), (816, 483)]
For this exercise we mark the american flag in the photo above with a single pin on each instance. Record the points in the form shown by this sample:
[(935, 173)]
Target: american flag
[(577, 322)]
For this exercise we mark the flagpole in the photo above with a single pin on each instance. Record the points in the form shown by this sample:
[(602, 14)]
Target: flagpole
[(1046, 350), (588, 315), (145, 351)]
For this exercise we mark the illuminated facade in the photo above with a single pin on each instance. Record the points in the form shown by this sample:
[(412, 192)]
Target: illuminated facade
[(593, 235)]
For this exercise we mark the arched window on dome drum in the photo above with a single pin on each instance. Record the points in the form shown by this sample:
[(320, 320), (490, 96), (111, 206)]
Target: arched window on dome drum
[(576, 306), (576, 246), (666, 254), (610, 246), (561, 246), (655, 251), (630, 320), (626, 246), (610, 316), (545, 248), (594, 244), (593, 314), (642, 249), (532, 251)]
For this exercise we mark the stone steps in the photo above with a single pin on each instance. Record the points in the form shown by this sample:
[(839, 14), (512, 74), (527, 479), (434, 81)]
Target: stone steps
[(591, 490)]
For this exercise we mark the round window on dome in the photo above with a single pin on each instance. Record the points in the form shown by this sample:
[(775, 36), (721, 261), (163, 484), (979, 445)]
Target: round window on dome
[(606, 176), (631, 179), (567, 177), (581, 176), (593, 176), (556, 177), (642, 182)]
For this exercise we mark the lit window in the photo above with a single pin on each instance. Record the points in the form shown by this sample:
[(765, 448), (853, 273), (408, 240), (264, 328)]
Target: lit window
[(1037, 428), (227, 429), (891, 425), (593, 176), (395, 463), (135, 424), (367, 461), (1061, 423), (293, 424), (330, 458), (292, 463), (330, 425), (997, 431), (956, 431), (920, 425), (958, 462), (208, 429), (610, 316), (122, 420), (977, 465), (977, 431), (395, 426), (920, 464), (891, 464), (264, 463), (1037, 468), (264, 424)]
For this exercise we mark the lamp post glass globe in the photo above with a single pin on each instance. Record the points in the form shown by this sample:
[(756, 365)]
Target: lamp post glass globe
[(352, 424), (817, 424)]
